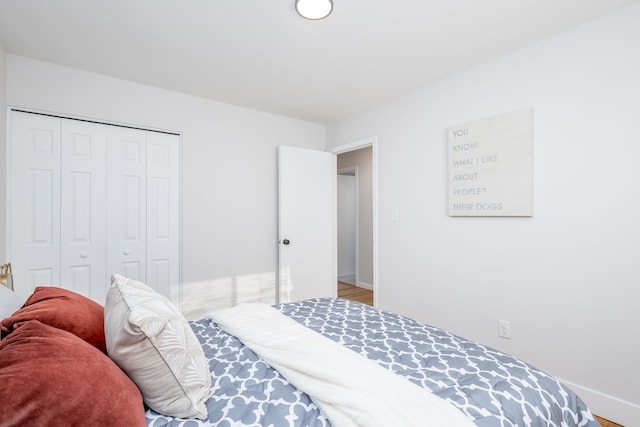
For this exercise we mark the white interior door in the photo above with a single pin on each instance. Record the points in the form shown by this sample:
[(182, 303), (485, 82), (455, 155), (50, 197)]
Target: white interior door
[(163, 213), (307, 224), (87, 200), (83, 221), (127, 203), (34, 208)]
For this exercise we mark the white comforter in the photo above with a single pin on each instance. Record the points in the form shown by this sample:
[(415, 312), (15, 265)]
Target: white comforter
[(349, 389)]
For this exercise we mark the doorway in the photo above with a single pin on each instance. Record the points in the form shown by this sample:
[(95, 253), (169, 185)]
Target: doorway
[(356, 223)]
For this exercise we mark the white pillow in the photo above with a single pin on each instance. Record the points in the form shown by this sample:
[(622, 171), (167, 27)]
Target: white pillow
[(10, 302), (152, 342)]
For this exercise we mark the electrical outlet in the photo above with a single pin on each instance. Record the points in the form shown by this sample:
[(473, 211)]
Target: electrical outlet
[(504, 329)]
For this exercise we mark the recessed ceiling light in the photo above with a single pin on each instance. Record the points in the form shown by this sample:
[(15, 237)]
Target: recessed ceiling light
[(314, 9)]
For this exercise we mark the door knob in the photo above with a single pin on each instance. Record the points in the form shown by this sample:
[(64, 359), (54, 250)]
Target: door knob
[(126, 252), (286, 242), (84, 255)]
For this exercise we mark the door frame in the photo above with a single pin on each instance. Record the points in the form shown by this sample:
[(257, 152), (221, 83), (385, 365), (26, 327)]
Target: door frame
[(356, 145)]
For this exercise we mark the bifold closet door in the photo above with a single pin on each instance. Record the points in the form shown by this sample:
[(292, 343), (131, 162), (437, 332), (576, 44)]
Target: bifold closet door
[(83, 222), (144, 208), (127, 203), (87, 200), (34, 201), (163, 213)]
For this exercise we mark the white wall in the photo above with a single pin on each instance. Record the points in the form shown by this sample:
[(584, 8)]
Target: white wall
[(228, 167), (347, 211), (568, 278)]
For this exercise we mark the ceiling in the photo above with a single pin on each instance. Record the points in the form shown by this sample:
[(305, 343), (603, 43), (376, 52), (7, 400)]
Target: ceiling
[(260, 54)]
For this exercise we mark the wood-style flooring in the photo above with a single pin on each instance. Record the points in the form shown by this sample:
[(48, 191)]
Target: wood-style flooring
[(607, 423), (365, 296), (355, 293)]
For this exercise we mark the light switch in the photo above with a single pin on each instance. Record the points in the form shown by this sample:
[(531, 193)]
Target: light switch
[(395, 215)]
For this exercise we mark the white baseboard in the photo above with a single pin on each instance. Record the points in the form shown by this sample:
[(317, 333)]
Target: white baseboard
[(365, 285), (609, 407)]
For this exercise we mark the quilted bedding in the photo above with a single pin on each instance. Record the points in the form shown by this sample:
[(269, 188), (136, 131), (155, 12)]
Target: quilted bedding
[(491, 388)]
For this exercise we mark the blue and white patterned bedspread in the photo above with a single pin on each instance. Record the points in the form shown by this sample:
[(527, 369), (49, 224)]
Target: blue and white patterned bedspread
[(492, 388)]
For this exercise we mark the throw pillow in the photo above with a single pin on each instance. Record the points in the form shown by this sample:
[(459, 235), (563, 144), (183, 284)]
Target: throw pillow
[(51, 377), (153, 343), (63, 309)]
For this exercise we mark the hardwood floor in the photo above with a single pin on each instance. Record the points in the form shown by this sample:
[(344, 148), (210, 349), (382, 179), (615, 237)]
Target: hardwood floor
[(355, 293), (365, 296), (607, 423)]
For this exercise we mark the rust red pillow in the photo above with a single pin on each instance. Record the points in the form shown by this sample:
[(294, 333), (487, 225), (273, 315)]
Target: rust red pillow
[(63, 309), (51, 377)]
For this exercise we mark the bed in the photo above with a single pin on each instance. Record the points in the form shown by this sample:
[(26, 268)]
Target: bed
[(484, 387)]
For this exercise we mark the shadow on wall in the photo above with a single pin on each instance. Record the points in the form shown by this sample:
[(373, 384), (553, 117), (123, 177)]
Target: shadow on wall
[(203, 297)]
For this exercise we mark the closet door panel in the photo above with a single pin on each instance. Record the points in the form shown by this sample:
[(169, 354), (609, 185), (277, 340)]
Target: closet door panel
[(83, 211), (163, 219), (132, 270), (126, 202), (86, 200), (34, 208)]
